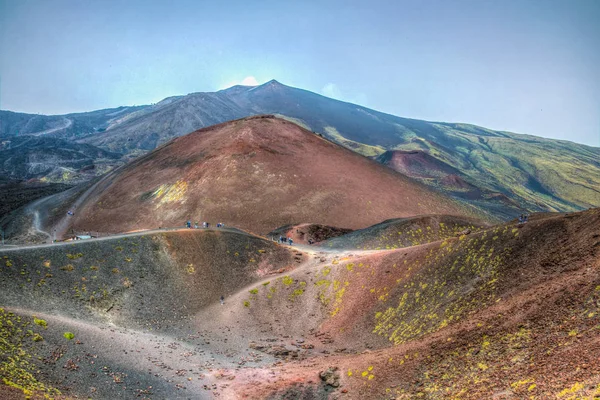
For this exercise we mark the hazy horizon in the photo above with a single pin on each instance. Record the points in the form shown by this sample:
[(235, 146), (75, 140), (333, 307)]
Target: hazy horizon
[(526, 67)]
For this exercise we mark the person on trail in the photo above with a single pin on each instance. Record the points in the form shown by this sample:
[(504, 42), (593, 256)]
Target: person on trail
[(195, 225), (222, 300), (525, 218), (290, 241), (188, 224)]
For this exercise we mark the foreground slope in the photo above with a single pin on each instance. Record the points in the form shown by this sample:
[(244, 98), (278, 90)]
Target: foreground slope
[(257, 173), (129, 303), (511, 311)]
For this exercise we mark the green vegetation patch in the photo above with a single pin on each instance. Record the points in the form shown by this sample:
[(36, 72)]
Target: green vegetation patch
[(434, 297), (40, 322), (287, 280), (16, 368)]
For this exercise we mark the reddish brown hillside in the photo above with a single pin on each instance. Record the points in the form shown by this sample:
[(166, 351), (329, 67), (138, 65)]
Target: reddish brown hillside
[(416, 163), (256, 173)]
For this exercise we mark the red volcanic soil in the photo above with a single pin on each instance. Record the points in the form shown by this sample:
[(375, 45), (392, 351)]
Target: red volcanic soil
[(502, 198), (422, 166), (416, 163), (457, 182), (257, 173)]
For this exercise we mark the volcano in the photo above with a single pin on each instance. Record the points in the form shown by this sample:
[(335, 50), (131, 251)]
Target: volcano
[(257, 173)]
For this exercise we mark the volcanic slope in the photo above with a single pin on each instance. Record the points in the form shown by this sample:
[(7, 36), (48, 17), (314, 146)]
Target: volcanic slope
[(525, 172), (508, 312), (404, 232), (425, 168), (53, 160), (257, 173), (128, 302)]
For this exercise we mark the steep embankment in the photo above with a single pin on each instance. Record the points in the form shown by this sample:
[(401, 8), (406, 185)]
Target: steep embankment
[(182, 270), (257, 173)]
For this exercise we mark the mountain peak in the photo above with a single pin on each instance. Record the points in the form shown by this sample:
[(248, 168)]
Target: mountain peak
[(270, 86), (273, 83)]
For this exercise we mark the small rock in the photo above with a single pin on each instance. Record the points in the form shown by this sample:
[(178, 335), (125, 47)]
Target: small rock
[(331, 376)]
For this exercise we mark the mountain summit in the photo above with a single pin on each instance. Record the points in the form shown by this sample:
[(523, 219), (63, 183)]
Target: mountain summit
[(530, 173)]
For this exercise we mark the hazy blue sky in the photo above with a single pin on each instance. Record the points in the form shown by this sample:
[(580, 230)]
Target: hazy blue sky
[(524, 66)]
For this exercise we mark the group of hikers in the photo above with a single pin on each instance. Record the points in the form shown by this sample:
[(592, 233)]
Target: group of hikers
[(523, 218), (205, 225), (288, 240)]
